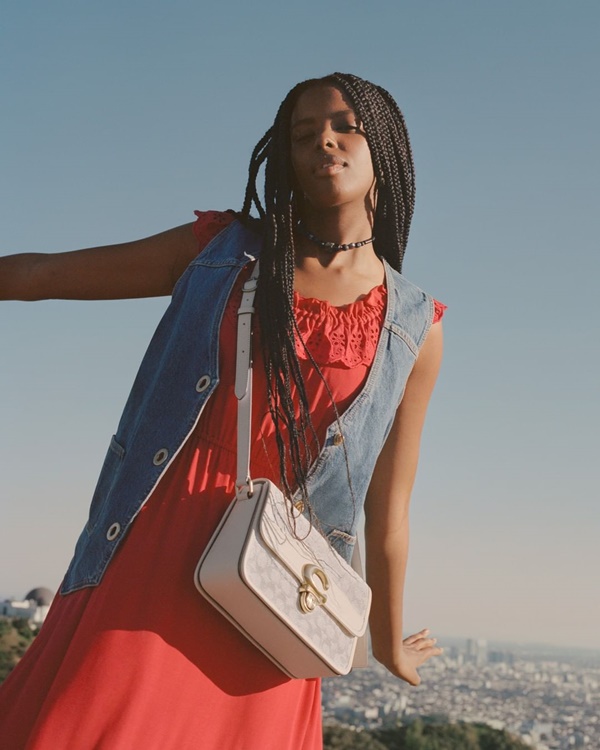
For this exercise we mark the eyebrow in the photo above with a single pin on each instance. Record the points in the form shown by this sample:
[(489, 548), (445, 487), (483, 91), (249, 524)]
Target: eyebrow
[(310, 120)]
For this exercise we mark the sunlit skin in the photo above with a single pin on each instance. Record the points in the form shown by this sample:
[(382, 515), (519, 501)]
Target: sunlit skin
[(337, 194)]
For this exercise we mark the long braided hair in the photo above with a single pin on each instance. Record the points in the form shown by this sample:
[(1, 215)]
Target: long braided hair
[(388, 141)]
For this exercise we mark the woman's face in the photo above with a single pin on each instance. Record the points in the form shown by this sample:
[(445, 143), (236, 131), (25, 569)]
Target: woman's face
[(330, 154)]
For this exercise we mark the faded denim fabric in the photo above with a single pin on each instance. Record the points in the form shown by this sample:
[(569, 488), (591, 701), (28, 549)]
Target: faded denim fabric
[(180, 371)]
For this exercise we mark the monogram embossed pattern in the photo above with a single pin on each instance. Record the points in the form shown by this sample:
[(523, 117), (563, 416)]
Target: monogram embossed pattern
[(275, 575)]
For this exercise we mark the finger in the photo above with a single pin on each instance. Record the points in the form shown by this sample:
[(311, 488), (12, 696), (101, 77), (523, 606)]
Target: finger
[(416, 636), (415, 680), (428, 653), (424, 643), (409, 675), (418, 640)]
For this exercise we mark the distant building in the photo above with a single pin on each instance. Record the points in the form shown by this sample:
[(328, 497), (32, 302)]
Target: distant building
[(34, 606), (501, 657), (477, 651)]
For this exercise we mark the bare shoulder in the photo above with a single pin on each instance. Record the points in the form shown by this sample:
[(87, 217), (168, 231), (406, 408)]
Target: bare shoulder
[(430, 355)]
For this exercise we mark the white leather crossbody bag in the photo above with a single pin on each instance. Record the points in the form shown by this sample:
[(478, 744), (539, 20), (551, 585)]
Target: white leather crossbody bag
[(279, 581)]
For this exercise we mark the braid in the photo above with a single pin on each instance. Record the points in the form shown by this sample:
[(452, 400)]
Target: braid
[(391, 154), (387, 136), (258, 156)]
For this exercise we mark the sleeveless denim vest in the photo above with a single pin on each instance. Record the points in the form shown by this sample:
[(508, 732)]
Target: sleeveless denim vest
[(179, 373)]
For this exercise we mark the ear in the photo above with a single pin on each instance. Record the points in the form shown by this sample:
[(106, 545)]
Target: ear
[(371, 200)]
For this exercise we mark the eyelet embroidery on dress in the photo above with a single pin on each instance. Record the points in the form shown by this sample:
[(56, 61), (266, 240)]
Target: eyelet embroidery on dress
[(344, 336)]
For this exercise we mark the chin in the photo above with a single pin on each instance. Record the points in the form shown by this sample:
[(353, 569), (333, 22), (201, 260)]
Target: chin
[(333, 200)]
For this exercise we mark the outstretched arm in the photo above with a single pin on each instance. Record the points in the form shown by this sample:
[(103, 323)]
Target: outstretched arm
[(386, 530), (144, 268)]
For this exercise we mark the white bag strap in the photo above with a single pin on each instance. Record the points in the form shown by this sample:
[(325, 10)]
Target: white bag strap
[(243, 382)]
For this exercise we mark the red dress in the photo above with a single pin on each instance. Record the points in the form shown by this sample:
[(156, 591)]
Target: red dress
[(143, 661)]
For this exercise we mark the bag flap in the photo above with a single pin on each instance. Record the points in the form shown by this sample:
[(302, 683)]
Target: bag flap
[(310, 558)]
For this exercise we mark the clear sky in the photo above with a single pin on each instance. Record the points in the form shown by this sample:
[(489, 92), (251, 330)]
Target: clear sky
[(121, 118)]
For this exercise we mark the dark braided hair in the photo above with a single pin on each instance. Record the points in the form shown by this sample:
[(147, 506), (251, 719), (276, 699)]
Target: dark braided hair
[(388, 141)]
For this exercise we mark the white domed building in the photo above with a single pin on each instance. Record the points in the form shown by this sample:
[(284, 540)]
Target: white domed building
[(34, 606)]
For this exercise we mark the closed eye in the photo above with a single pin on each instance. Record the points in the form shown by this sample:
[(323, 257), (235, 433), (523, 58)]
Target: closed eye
[(349, 127), (301, 137)]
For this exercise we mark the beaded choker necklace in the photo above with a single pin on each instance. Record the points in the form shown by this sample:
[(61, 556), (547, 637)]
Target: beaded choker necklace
[(332, 247)]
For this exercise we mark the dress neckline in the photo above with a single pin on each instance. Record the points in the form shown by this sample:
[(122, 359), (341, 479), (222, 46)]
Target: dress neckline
[(373, 298)]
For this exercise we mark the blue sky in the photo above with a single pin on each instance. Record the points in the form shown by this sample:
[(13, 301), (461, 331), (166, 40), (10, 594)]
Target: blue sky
[(119, 119)]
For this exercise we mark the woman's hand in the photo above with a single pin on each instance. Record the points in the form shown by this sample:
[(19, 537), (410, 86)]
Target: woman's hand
[(414, 652)]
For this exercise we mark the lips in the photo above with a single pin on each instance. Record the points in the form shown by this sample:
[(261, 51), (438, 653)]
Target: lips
[(330, 164)]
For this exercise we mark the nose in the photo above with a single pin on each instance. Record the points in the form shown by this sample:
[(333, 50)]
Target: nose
[(325, 139)]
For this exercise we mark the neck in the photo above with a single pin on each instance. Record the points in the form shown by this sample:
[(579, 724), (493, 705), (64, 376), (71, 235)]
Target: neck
[(338, 226)]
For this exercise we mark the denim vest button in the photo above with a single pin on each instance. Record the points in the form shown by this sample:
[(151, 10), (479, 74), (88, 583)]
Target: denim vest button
[(113, 531), (338, 438), (160, 457), (203, 383)]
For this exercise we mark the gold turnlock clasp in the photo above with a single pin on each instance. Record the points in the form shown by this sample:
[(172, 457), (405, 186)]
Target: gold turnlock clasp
[(310, 596)]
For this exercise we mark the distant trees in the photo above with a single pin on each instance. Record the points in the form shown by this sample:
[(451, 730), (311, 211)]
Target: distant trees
[(422, 734), (493, 739), (336, 737), (15, 637)]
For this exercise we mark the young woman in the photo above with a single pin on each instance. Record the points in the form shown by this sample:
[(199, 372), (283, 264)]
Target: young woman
[(131, 656)]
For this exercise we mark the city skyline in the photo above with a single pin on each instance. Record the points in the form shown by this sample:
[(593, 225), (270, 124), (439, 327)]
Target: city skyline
[(546, 699)]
